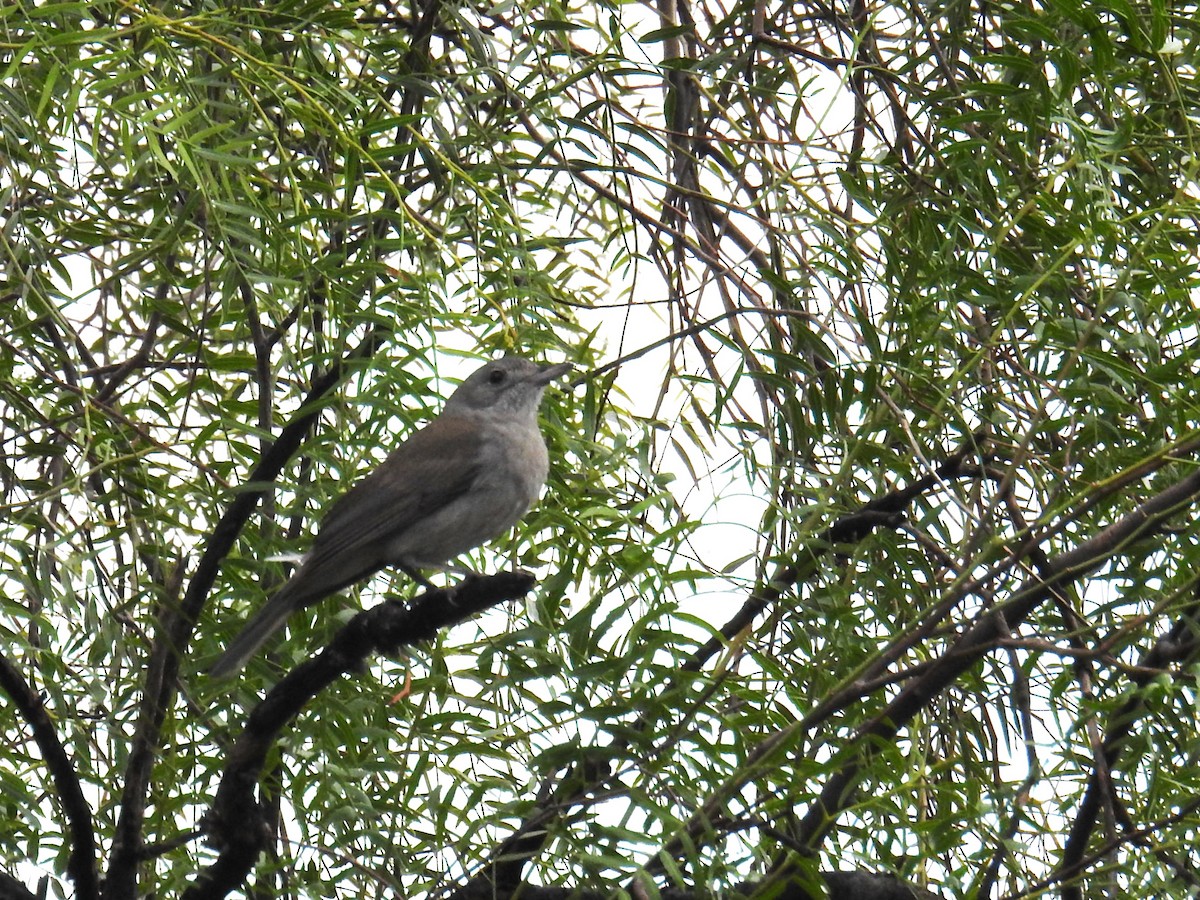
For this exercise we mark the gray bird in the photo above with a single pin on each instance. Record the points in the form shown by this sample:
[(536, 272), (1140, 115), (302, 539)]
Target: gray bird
[(462, 480)]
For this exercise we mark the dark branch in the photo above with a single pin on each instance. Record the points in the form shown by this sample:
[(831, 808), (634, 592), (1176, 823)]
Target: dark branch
[(841, 886), (11, 889), (1062, 571), (236, 823), (1179, 647), (175, 626), (505, 869), (881, 512), (81, 865)]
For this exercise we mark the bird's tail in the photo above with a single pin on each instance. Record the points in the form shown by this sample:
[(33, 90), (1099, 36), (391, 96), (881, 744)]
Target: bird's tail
[(257, 631)]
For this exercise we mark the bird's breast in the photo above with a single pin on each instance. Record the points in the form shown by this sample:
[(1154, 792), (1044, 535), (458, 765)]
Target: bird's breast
[(511, 467), (514, 455)]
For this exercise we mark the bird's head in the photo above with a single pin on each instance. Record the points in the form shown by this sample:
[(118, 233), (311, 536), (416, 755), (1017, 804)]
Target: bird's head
[(509, 385)]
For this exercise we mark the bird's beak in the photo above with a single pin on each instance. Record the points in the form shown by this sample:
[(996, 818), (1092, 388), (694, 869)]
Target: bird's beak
[(547, 374)]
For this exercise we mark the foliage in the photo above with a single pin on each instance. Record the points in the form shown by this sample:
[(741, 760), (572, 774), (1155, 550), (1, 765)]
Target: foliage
[(869, 539)]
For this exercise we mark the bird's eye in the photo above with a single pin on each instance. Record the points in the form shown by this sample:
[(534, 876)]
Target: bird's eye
[(497, 376)]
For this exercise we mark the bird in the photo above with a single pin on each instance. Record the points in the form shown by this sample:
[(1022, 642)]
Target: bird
[(459, 482)]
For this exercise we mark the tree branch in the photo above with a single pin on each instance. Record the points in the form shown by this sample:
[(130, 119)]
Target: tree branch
[(504, 870), (81, 864), (236, 824), (841, 886), (175, 626), (1065, 569), (1180, 646), (11, 889)]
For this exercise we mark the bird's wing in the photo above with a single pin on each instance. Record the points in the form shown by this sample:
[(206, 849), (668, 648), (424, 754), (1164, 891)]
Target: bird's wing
[(431, 469)]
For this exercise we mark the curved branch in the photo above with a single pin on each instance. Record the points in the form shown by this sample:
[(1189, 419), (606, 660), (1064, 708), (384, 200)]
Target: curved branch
[(1066, 568), (841, 886), (175, 624), (1180, 646), (81, 865), (504, 870), (235, 824), (11, 889)]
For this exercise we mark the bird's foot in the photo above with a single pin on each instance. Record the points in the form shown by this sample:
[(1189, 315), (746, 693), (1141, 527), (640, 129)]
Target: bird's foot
[(404, 691)]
